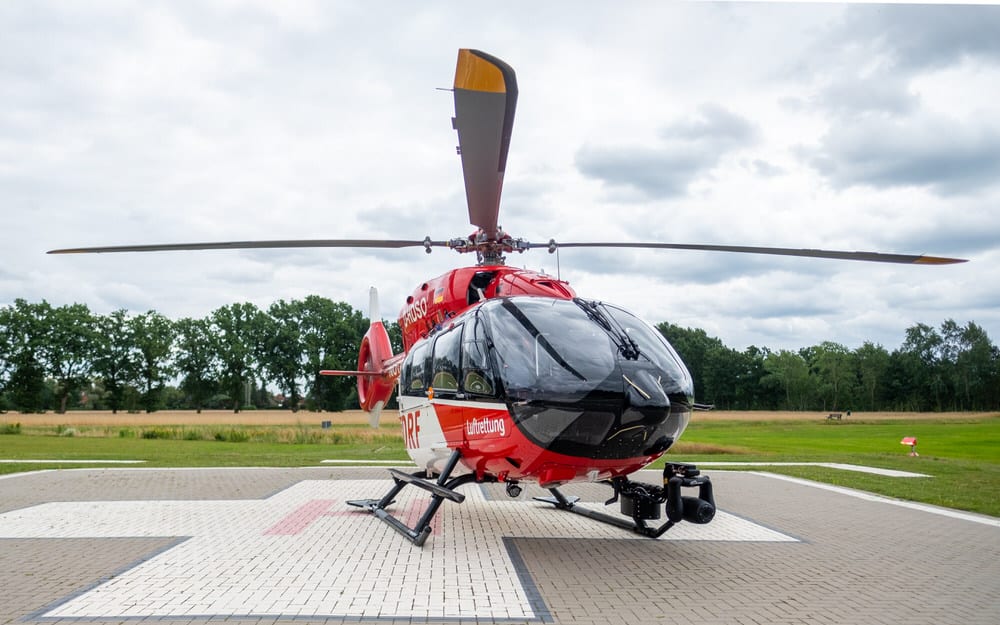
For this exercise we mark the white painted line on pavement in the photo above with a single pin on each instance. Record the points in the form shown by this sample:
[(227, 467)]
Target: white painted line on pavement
[(64, 461), (402, 463), (858, 494), (828, 465)]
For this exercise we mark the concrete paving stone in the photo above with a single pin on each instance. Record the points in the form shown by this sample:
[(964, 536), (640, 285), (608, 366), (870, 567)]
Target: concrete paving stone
[(820, 556)]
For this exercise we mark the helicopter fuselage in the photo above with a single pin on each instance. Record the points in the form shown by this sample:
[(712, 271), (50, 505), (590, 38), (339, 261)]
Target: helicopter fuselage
[(436, 301), (531, 383)]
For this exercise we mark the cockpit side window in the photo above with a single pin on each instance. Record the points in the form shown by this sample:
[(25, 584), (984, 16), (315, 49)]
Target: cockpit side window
[(446, 360), (477, 372), (413, 379)]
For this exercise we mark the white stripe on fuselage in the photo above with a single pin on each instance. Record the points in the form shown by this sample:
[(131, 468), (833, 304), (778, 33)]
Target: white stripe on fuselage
[(422, 432)]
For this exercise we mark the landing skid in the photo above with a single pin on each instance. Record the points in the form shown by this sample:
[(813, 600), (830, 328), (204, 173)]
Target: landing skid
[(641, 502), (442, 489)]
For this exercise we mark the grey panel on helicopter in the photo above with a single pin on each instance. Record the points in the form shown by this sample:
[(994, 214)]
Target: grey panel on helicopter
[(485, 100), (479, 122)]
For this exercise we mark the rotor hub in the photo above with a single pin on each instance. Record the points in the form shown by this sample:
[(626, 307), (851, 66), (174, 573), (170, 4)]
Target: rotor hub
[(489, 250)]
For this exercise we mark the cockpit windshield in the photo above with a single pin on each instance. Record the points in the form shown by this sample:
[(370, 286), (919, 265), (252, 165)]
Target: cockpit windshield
[(580, 378), (548, 347), (567, 349), (651, 347)]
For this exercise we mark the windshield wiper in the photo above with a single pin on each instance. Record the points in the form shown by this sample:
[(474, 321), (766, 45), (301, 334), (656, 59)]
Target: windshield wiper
[(626, 345)]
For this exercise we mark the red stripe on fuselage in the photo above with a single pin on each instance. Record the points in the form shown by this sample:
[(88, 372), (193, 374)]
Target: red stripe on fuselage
[(512, 454)]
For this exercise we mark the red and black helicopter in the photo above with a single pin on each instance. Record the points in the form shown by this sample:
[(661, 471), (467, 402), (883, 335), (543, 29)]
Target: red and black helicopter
[(506, 375)]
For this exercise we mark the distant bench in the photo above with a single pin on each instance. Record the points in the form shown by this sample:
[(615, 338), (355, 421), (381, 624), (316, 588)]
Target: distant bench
[(834, 415)]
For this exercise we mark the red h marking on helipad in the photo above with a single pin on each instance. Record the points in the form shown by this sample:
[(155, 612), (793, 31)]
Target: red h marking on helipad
[(301, 518)]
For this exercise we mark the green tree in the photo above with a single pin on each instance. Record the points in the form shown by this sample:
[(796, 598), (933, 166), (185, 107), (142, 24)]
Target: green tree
[(836, 372), (6, 354), (6, 351), (920, 366), (395, 335), (46, 354), (68, 349), (694, 346), (788, 371), (26, 388), (153, 335), (195, 360), (332, 333), (981, 361), (721, 372), (971, 362), (24, 327), (116, 360), (282, 352), (752, 394), (236, 330), (873, 370)]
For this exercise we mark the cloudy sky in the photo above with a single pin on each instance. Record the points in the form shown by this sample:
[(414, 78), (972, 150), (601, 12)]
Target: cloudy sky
[(855, 127)]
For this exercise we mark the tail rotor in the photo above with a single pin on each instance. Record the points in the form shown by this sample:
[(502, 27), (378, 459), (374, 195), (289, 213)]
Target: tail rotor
[(378, 367)]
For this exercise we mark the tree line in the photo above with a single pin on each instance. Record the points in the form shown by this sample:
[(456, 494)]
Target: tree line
[(951, 368), (64, 357)]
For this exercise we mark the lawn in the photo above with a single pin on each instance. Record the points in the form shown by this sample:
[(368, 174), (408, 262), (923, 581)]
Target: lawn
[(961, 453)]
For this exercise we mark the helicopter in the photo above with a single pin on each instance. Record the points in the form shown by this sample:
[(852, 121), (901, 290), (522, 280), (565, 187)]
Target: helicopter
[(506, 374)]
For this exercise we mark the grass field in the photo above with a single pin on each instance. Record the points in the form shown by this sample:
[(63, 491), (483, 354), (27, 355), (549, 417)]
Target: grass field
[(961, 453), (960, 450)]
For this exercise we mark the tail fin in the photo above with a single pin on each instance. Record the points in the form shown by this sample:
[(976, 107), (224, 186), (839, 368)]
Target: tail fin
[(378, 368)]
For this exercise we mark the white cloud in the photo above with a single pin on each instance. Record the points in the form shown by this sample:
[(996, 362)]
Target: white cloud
[(684, 150), (948, 155), (827, 126)]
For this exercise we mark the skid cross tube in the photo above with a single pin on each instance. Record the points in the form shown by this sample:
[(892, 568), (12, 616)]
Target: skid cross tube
[(635, 524), (640, 501), (443, 488), (562, 502)]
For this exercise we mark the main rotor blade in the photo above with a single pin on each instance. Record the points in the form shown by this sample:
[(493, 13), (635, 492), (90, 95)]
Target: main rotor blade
[(485, 99), (875, 257), (246, 245)]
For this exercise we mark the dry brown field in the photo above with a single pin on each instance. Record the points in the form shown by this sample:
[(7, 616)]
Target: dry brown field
[(356, 417), (185, 417), (807, 415)]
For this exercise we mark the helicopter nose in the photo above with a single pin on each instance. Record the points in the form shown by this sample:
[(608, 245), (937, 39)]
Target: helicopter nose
[(644, 389), (657, 407)]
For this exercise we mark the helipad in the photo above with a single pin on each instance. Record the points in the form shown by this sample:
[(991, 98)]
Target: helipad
[(265, 545)]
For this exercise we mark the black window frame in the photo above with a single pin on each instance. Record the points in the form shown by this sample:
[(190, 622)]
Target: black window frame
[(483, 368), (451, 339), (422, 351)]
